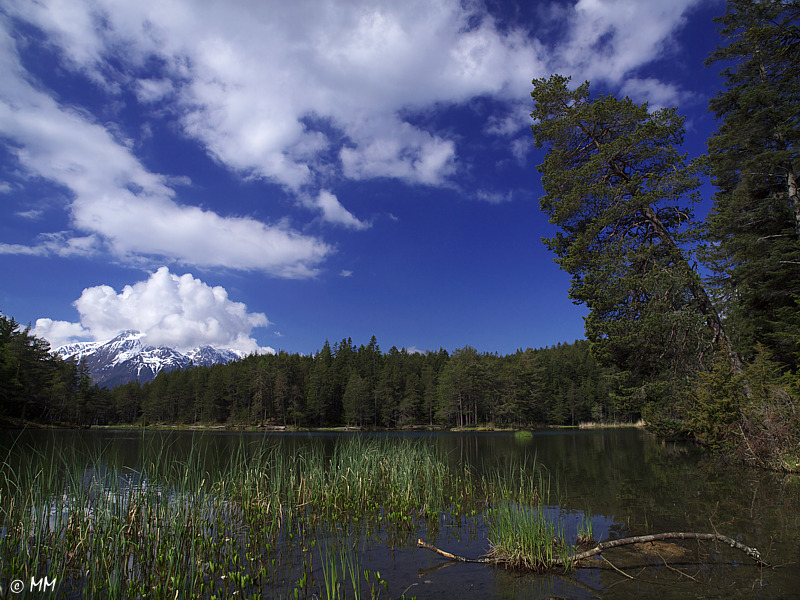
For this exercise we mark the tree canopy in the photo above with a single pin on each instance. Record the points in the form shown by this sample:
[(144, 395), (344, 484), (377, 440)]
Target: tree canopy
[(622, 194)]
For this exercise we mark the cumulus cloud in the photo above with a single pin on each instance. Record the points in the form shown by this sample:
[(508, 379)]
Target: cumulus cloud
[(179, 311), (609, 39), (120, 203), (302, 94), (59, 333)]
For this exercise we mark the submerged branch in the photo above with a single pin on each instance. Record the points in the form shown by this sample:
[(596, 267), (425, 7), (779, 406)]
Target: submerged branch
[(641, 539)]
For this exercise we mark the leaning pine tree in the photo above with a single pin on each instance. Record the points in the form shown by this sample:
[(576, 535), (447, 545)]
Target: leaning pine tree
[(621, 196)]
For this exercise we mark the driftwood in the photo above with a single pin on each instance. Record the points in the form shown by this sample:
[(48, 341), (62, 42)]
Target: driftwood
[(454, 557), (640, 539)]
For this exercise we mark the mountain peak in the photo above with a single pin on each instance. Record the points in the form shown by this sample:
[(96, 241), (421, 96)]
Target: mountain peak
[(125, 358)]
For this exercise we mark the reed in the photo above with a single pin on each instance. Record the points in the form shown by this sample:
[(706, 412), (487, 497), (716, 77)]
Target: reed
[(175, 528), (526, 537)]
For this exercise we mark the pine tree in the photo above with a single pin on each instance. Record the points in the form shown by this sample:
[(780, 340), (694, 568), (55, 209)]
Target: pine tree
[(753, 159), (621, 195)]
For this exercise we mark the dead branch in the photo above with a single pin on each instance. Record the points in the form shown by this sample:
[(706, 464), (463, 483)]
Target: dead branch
[(640, 539), (423, 544)]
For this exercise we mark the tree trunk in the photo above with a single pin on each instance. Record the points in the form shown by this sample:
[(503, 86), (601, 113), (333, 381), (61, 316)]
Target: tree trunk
[(642, 539), (794, 199), (698, 292)]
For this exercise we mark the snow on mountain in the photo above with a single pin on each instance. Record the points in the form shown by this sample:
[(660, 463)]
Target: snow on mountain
[(208, 355), (124, 358)]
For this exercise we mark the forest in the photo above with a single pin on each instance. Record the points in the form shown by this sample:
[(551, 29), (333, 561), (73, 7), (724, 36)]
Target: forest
[(341, 384), (693, 323)]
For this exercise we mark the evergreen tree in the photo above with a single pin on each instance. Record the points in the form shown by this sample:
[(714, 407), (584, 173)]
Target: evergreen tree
[(357, 401), (460, 388), (320, 389), (753, 159), (621, 195), (26, 369)]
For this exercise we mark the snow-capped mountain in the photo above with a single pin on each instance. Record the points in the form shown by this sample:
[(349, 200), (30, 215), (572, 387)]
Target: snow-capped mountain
[(205, 356), (125, 358)]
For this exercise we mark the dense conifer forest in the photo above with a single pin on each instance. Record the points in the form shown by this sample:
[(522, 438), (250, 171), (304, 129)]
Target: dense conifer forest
[(339, 385)]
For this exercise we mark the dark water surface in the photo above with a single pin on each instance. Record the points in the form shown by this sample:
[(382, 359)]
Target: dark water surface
[(630, 482)]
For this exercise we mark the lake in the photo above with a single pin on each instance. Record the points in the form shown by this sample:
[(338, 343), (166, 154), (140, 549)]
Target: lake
[(623, 481)]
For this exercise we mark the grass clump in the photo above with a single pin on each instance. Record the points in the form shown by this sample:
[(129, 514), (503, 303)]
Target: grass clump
[(526, 537)]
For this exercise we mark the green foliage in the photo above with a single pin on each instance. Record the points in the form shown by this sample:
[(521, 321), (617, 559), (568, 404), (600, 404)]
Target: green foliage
[(176, 529), (526, 537), (715, 405), (621, 196), (340, 385), (753, 160), (36, 385), (769, 428)]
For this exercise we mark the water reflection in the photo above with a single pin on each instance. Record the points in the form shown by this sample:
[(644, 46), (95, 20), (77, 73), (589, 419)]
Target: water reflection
[(629, 482)]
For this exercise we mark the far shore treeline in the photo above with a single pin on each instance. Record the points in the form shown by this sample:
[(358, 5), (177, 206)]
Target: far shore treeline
[(340, 385)]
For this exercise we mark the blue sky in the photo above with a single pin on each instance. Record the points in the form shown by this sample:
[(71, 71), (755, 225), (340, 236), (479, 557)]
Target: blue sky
[(269, 174)]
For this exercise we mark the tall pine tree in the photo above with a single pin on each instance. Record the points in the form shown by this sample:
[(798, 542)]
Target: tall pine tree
[(621, 195), (754, 159)]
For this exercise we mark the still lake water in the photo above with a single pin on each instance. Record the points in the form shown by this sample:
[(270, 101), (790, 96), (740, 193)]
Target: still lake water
[(630, 482)]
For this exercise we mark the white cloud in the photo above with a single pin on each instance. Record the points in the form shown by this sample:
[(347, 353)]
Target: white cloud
[(334, 212), (298, 93), (153, 90), (32, 214), (520, 148), (23, 249), (609, 39), (493, 197), (59, 244), (120, 203), (172, 310), (653, 91), (247, 75), (59, 333), (410, 155)]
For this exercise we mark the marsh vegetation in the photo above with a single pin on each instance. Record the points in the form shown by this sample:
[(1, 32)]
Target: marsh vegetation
[(337, 516)]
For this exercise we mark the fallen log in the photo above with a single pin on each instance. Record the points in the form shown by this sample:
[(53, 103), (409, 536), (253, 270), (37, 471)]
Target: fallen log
[(572, 560)]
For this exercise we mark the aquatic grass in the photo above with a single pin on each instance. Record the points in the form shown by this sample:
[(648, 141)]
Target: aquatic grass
[(527, 537), (361, 478), (585, 535), (524, 480), (174, 528)]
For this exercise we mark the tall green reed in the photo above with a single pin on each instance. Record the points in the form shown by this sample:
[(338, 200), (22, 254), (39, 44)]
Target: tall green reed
[(177, 526), (527, 537)]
